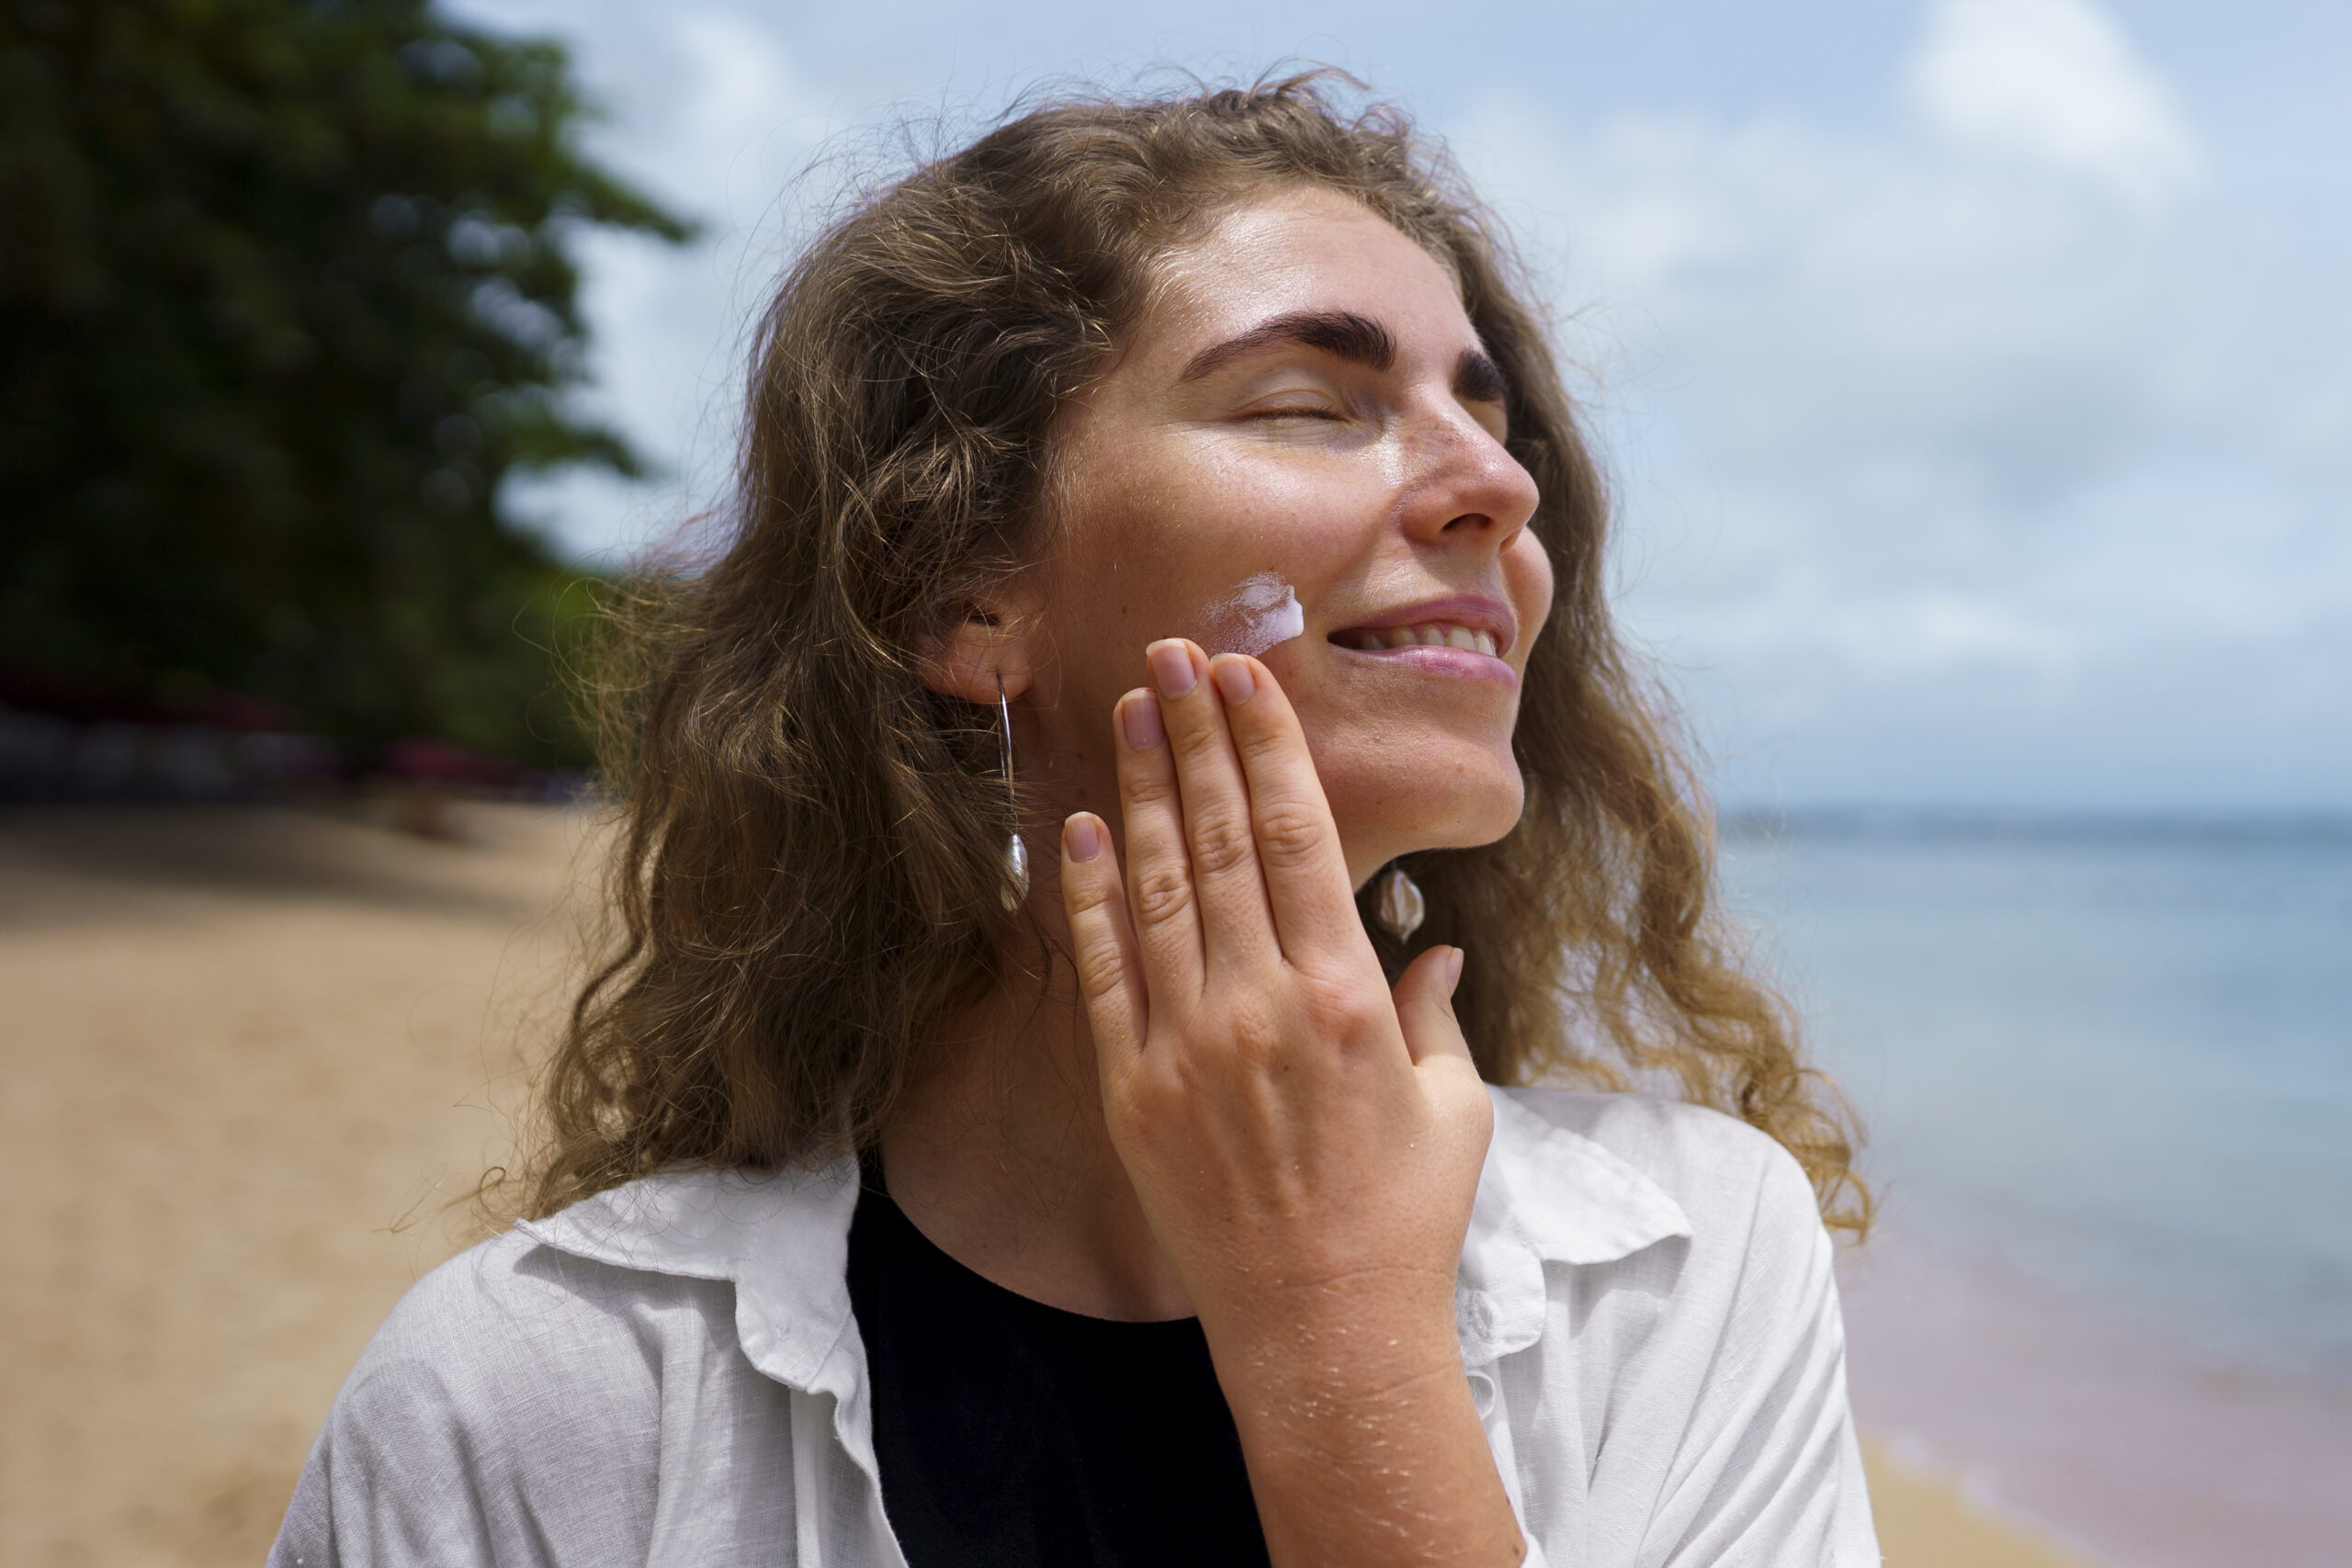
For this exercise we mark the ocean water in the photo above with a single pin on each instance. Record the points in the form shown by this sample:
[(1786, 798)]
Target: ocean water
[(2116, 1055)]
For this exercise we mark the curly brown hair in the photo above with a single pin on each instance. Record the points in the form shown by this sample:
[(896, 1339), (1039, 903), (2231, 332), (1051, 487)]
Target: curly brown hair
[(806, 884)]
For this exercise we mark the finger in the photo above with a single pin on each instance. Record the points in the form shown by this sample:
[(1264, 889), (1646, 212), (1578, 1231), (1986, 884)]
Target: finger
[(1301, 864), (1110, 976), (1424, 997), (1236, 925), (1165, 911)]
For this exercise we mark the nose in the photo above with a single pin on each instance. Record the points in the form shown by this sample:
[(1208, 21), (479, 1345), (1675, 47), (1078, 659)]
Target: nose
[(1463, 486)]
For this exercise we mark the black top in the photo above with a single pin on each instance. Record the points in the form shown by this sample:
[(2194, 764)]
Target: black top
[(1015, 1435)]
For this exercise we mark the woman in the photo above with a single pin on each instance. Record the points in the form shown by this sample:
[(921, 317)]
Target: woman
[(1190, 475)]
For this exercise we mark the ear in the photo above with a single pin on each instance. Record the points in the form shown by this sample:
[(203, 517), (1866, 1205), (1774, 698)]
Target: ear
[(996, 640)]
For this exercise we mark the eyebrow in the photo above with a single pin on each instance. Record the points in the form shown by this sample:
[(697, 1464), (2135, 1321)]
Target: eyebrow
[(1359, 340)]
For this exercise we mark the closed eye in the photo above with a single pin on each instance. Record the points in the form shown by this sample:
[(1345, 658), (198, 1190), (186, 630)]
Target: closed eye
[(1476, 379), (1314, 411)]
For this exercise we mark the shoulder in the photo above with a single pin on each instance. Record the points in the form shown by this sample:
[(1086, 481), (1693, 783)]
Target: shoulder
[(512, 1395), (1731, 1181), (514, 1302), (513, 1326)]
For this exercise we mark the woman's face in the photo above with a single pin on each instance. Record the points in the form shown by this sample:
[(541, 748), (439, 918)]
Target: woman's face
[(1304, 398)]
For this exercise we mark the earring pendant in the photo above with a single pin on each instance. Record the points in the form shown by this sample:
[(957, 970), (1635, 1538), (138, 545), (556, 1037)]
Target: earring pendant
[(1015, 890), (1398, 905), (1016, 873)]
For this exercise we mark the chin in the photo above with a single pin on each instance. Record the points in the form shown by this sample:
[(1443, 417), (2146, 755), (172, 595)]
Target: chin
[(1458, 804)]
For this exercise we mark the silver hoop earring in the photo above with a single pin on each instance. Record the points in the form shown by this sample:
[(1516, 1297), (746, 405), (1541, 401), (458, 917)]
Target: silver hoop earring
[(1401, 908), (1016, 853)]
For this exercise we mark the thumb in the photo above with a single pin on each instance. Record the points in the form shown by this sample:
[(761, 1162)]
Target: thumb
[(1424, 997)]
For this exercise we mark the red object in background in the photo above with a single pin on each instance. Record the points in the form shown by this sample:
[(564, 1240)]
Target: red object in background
[(63, 738), (421, 759), (76, 701), (84, 702), (247, 716)]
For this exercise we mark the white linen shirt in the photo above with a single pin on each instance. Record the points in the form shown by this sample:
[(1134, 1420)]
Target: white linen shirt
[(670, 1373)]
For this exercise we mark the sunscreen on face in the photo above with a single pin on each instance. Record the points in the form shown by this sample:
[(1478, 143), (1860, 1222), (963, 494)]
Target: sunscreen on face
[(1263, 611)]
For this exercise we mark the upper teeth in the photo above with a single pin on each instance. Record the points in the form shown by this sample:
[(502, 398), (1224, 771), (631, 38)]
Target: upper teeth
[(1434, 634)]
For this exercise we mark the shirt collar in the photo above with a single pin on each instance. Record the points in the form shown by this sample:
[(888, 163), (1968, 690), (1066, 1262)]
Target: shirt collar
[(782, 1239), (1546, 1195)]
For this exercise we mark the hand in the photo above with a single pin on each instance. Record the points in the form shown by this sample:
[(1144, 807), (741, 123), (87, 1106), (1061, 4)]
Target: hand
[(1288, 1124), (1305, 1144)]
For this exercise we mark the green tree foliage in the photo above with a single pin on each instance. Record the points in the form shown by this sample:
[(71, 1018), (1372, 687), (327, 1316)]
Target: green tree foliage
[(286, 289)]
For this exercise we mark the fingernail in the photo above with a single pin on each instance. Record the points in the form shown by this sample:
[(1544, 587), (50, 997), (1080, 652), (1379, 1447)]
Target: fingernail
[(1139, 720), (1453, 971), (1234, 677), (1171, 668), (1081, 837)]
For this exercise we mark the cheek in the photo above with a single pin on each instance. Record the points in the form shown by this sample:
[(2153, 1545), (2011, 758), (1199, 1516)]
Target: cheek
[(1527, 576), (1204, 544)]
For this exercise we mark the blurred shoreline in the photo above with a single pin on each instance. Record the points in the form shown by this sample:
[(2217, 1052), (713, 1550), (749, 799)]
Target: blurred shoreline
[(2129, 1446), (2104, 1066), (2022, 825)]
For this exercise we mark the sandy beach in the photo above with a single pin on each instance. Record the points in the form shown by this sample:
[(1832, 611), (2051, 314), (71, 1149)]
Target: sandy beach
[(253, 1055), (2134, 1450)]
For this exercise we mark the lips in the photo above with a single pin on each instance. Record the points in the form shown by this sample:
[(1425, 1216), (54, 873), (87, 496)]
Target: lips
[(1469, 622), (1428, 634)]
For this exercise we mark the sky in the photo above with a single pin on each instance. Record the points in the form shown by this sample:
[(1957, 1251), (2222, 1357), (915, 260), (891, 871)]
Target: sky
[(1974, 376)]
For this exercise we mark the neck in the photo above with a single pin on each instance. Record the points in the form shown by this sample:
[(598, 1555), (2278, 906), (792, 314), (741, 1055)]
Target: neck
[(997, 1153)]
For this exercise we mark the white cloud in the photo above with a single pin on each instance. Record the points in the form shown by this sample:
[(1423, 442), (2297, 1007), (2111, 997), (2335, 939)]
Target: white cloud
[(709, 111), (1988, 428), (2055, 80)]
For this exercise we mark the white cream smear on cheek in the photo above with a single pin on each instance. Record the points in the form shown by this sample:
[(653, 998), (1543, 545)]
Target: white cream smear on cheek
[(1263, 611)]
